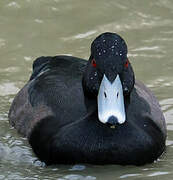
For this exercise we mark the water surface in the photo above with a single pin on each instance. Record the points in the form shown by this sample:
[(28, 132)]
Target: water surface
[(32, 28)]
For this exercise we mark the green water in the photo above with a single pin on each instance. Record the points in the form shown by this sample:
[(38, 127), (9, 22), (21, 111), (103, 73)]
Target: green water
[(31, 28)]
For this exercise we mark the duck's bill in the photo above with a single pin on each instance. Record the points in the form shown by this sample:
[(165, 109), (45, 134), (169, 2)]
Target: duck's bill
[(111, 102)]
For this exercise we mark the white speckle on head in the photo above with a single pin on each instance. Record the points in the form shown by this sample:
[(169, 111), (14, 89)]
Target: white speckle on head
[(120, 54), (113, 47), (91, 78), (104, 40), (100, 53), (104, 51), (95, 74)]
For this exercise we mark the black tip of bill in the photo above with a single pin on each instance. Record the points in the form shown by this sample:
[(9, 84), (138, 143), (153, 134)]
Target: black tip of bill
[(112, 121)]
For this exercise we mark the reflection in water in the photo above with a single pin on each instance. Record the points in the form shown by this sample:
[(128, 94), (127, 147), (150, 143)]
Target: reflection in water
[(32, 28)]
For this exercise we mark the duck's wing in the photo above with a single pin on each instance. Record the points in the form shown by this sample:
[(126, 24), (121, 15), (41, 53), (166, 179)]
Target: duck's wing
[(54, 89), (144, 99)]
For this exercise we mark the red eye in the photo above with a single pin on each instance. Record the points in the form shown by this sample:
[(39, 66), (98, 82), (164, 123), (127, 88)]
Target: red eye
[(127, 63), (93, 62)]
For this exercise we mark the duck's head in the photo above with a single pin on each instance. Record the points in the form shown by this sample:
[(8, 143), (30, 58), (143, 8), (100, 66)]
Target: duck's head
[(109, 77)]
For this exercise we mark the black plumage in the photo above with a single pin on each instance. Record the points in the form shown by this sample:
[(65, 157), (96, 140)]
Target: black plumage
[(57, 110)]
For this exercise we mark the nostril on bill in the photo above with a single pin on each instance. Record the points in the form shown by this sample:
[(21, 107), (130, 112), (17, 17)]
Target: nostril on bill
[(112, 120)]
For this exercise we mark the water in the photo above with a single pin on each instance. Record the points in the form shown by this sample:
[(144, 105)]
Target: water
[(31, 28)]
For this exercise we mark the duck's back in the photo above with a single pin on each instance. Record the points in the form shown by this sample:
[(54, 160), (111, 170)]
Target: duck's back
[(144, 101), (54, 89)]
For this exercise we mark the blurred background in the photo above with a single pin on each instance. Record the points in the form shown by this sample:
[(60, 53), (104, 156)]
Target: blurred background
[(32, 28)]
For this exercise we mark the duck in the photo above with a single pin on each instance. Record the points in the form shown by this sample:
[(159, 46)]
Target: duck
[(76, 111)]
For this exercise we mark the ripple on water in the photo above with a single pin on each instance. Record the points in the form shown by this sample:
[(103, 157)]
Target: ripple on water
[(157, 39), (77, 168), (13, 4), (9, 69), (160, 82), (27, 58), (139, 23), (167, 107), (158, 56), (80, 36), (2, 177), (166, 104), (77, 177), (146, 48), (169, 143), (84, 35), (158, 173), (129, 175), (156, 51), (40, 21), (16, 154), (167, 32), (54, 9), (2, 42), (8, 88)]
